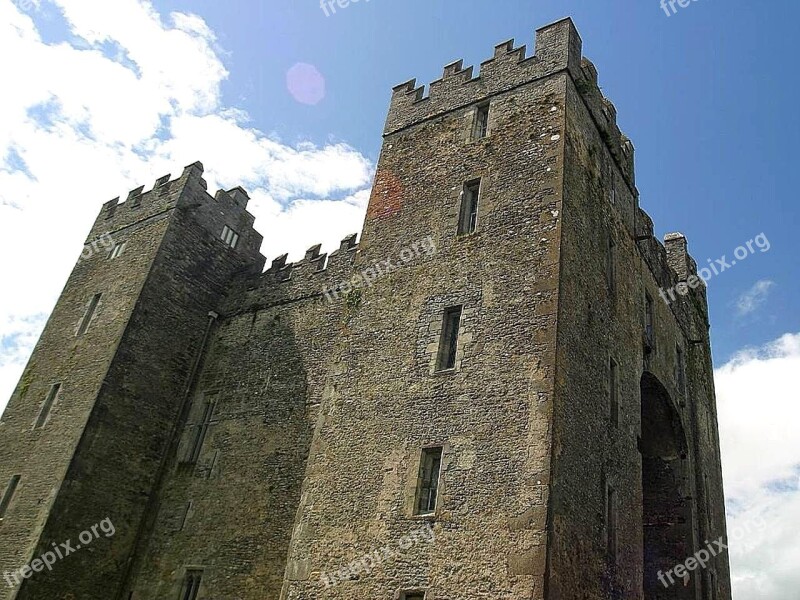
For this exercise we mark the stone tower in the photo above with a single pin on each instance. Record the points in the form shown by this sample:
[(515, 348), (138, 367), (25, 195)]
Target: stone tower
[(87, 429), (486, 397)]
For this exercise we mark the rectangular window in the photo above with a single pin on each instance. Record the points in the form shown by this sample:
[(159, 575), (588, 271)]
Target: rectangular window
[(448, 344), (611, 523), (8, 495), (428, 483), (611, 265), (116, 250), (191, 584), (47, 406), (649, 323), (481, 127), (613, 390), (680, 369), (87, 316), (413, 596), (199, 436), (229, 236), (468, 218)]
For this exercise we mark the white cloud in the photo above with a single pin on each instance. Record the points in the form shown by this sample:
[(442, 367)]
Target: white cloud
[(758, 414), (129, 96), (750, 300)]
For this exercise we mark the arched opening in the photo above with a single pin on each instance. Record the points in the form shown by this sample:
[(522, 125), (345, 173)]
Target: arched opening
[(666, 514)]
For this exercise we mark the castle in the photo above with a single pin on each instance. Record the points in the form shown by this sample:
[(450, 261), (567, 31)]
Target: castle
[(484, 397)]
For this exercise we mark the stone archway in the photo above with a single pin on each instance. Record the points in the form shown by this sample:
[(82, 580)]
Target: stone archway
[(666, 513)]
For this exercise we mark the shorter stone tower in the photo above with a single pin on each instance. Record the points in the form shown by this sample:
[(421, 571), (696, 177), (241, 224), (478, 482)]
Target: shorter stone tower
[(86, 431)]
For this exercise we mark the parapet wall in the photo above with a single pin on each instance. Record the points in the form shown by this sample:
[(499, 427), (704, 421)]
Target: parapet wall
[(672, 266), (558, 48), (165, 195), (305, 279)]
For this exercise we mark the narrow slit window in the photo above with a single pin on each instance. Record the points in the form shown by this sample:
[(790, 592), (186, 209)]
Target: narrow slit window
[(8, 495), (611, 265), (468, 218), (428, 484), (649, 323), (481, 127), (116, 251), (611, 523), (448, 345), (91, 308), (47, 405), (185, 516), (680, 369), (712, 584), (229, 236), (199, 436), (191, 584), (613, 390)]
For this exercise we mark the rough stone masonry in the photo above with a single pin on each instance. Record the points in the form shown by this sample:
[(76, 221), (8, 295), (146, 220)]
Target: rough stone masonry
[(520, 392)]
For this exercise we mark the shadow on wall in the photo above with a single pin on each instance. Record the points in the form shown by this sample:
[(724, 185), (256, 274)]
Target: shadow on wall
[(666, 515)]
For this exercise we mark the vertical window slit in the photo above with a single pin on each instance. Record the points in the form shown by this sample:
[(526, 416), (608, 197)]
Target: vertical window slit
[(47, 405)]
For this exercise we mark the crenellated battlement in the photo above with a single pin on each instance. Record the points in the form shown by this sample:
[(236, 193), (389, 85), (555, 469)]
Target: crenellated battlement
[(558, 48), (604, 114), (140, 205), (672, 265), (167, 194), (291, 281)]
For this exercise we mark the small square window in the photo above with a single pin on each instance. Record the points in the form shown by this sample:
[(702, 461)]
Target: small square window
[(448, 344), (116, 250), (428, 483), (468, 217), (229, 236), (480, 128), (191, 584)]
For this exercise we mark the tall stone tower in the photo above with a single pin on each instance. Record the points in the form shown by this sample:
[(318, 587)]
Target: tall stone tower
[(486, 397)]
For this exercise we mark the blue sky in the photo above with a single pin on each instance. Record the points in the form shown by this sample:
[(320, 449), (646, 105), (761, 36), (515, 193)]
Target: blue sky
[(706, 95), (290, 103)]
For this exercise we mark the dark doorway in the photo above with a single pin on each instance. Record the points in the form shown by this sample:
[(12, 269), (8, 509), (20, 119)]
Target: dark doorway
[(666, 514)]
